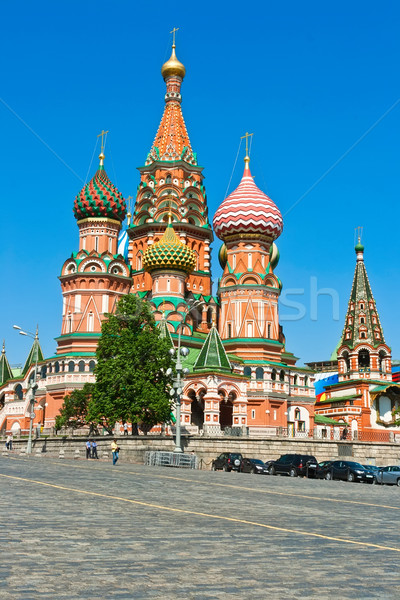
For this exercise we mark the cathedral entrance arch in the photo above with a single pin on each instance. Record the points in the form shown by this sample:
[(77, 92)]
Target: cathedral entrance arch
[(226, 408), (197, 404)]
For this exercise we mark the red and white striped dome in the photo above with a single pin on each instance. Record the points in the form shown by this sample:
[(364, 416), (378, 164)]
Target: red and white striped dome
[(248, 210)]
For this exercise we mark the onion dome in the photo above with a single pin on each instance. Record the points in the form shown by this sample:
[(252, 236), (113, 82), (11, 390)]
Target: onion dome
[(248, 210), (100, 198), (274, 255), (223, 256), (169, 253), (359, 247), (173, 66)]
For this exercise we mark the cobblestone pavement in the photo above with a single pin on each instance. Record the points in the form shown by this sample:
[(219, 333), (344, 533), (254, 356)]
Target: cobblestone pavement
[(86, 529)]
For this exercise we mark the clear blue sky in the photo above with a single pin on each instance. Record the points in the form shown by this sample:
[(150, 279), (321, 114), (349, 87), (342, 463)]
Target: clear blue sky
[(309, 79)]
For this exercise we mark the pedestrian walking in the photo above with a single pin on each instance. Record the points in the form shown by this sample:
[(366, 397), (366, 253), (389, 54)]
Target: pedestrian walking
[(8, 442), (115, 451), (88, 449), (125, 428), (94, 449)]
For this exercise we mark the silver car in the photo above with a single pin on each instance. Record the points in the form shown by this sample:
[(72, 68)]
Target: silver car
[(388, 475)]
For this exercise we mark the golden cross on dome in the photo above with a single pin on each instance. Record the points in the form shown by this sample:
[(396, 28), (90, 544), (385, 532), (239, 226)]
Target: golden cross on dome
[(247, 135), (175, 29), (102, 134)]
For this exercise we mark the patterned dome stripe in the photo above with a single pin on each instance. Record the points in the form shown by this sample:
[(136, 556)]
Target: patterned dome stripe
[(100, 198), (246, 210)]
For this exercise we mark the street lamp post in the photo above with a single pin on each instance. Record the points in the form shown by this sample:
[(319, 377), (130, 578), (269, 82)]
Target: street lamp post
[(177, 384), (34, 386)]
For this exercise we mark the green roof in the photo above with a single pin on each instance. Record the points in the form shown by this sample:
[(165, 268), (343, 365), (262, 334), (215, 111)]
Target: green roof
[(327, 421), (35, 355), (5, 369), (212, 355), (339, 399)]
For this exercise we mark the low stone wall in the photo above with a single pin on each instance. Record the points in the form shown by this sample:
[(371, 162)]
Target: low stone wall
[(134, 448)]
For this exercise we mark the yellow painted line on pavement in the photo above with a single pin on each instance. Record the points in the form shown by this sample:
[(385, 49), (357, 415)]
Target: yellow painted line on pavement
[(235, 487), (201, 514)]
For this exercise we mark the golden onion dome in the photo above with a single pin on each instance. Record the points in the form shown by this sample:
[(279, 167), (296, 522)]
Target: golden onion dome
[(169, 253), (173, 66)]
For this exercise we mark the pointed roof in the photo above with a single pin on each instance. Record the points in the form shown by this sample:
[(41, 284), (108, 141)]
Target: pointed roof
[(212, 354), (362, 323), (248, 210), (5, 369), (172, 141), (34, 354)]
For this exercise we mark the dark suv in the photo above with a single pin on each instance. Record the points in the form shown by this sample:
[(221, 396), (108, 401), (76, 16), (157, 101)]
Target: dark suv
[(294, 465), (227, 461)]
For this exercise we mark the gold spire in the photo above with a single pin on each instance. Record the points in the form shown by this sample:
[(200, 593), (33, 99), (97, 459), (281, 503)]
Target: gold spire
[(129, 214), (247, 157), (101, 155), (173, 66)]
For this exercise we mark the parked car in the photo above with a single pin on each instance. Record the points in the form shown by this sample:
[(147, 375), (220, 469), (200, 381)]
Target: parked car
[(388, 475), (254, 465), (323, 468), (294, 465), (374, 470), (348, 471), (227, 461)]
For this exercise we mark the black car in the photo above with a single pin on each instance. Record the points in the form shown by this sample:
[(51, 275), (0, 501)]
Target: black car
[(348, 470), (323, 468), (294, 465), (254, 465), (227, 461)]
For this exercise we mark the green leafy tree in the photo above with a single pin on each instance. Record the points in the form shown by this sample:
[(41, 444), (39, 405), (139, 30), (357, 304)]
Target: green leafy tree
[(74, 411), (132, 360)]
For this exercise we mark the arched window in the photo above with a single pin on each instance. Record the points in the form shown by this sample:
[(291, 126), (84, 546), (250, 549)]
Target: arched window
[(81, 366), (306, 380), (362, 335), (90, 322), (273, 375), (92, 365), (362, 320), (346, 359), (297, 414), (247, 371), (43, 372), (139, 261), (259, 373), (50, 368), (18, 393), (56, 367), (234, 262), (282, 375), (96, 243), (363, 358), (229, 325), (69, 323), (71, 366), (382, 365), (249, 260), (269, 331)]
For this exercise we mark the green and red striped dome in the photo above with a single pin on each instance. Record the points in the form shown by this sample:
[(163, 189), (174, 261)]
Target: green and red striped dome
[(100, 198)]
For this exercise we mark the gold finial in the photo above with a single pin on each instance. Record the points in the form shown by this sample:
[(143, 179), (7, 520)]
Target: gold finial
[(101, 155), (173, 66), (129, 214), (247, 136), (162, 307), (214, 318), (4, 347), (175, 29)]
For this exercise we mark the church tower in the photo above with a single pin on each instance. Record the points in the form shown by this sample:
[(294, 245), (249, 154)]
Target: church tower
[(248, 222), (363, 353), (171, 184), (94, 278)]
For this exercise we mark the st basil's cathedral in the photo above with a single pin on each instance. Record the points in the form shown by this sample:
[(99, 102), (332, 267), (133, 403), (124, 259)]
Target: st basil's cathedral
[(241, 378)]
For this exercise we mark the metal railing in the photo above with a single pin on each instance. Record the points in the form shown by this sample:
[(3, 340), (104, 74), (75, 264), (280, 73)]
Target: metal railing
[(171, 459)]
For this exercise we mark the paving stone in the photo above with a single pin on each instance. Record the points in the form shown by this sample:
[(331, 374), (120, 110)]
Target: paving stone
[(60, 544)]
